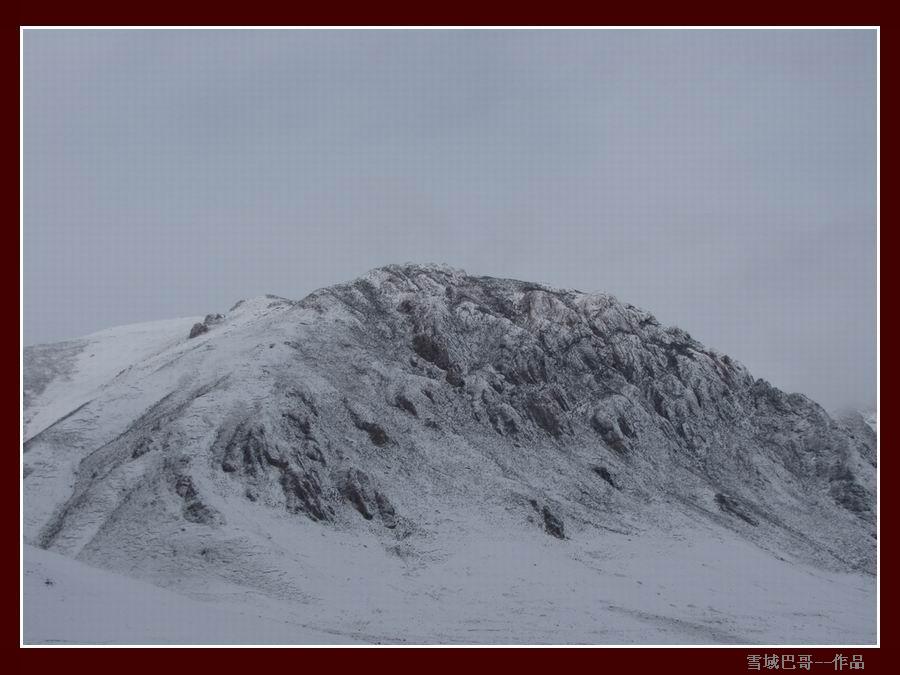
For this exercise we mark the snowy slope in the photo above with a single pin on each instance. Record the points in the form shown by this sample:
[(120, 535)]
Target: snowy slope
[(424, 456), (63, 376), (611, 589), (68, 602)]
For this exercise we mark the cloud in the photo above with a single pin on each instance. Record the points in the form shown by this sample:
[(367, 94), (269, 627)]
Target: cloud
[(722, 179)]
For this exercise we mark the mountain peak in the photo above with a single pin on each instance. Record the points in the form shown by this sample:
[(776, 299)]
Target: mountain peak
[(418, 402), (413, 268)]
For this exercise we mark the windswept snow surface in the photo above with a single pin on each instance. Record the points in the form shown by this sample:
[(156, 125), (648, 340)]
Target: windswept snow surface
[(61, 377), (68, 602), (679, 587), (419, 457)]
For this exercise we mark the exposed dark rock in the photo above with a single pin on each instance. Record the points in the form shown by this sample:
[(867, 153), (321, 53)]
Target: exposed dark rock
[(503, 423), (198, 512), (273, 457), (553, 524), (431, 350), (603, 472), (313, 452), (610, 433), (352, 492), (386, 510), (304, 494), (249, 443), (734, 507), (851, 495), (541, 414), (405, 404), (454, 378), (193, 509), (142, 446), (377, 435), (208, 322), (302, 424), (626, 428), (355, 487)]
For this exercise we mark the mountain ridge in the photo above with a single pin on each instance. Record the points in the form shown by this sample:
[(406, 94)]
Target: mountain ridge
[(417, 404)]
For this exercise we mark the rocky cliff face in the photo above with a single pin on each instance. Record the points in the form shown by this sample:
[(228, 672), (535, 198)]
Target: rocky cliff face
[(418, 398)]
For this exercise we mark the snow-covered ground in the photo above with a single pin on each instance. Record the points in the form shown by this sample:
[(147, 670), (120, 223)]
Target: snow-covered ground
[(687, 586), (68, 602)]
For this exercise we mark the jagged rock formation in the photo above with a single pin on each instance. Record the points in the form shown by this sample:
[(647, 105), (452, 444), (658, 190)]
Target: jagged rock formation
[(418, 390), (208, 322)]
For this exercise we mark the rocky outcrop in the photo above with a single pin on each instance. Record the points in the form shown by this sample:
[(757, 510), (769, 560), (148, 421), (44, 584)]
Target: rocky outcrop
[(208, 322), (356, 487), (733, 507), (553, 524)]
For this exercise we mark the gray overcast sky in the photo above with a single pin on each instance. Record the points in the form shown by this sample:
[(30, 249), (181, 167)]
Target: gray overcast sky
[(724, 180)]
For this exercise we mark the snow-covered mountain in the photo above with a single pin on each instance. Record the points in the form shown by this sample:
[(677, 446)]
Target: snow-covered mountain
[(425, 456)]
